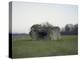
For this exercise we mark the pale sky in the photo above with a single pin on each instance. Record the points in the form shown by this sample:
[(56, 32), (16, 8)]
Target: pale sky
[(25, 14)]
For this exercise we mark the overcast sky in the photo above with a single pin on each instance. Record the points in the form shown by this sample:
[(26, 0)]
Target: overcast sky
[(25, 14)]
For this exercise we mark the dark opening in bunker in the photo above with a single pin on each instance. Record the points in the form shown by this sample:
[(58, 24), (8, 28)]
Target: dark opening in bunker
[(42, 34)]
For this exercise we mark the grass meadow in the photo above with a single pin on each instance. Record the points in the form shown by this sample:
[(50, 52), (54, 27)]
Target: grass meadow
[(25, 47)]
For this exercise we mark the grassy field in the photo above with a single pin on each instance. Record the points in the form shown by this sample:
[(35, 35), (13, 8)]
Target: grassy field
[(23, 48)]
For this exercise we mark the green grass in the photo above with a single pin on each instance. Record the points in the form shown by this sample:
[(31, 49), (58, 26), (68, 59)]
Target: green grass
[(27, 48)]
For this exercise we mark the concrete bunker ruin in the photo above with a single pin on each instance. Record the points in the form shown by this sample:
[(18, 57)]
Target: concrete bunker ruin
[(45, 32)]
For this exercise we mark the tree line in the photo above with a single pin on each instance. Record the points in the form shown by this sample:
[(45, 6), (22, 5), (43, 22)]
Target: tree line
[(70, 29)]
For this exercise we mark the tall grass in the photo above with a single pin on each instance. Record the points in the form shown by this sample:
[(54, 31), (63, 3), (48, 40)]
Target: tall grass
[(27, 48)]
